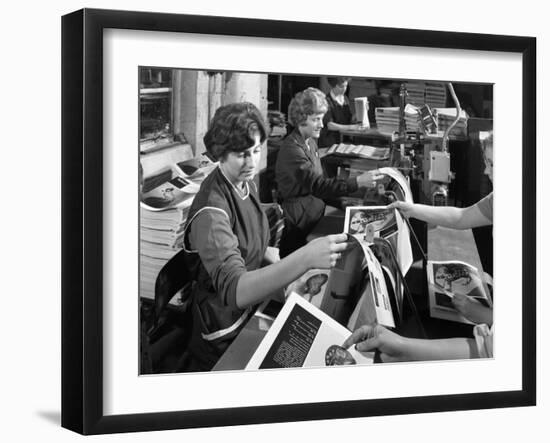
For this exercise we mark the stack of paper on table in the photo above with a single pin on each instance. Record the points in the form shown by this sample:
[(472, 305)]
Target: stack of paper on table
[(163, 213), (161, 237), (387, 119)]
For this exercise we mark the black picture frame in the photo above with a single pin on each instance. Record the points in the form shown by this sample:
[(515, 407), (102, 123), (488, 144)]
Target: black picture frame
[(82, 218)]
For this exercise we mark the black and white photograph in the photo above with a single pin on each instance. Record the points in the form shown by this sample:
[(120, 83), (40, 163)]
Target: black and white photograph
[(183, 272), (269, 221), (245, 187)]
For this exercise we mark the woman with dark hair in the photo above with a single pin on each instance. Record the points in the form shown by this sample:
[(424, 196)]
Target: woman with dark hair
[(300, 182), (339, 113), (227, 234)]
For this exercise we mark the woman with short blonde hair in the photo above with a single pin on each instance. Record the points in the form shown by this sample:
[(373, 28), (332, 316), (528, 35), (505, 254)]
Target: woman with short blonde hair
[(301, 185)]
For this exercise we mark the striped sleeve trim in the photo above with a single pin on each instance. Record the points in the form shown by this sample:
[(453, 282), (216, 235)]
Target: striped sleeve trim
[(195, 216), (223, 332)]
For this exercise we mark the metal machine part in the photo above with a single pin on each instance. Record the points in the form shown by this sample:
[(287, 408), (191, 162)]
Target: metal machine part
[(440, 161)]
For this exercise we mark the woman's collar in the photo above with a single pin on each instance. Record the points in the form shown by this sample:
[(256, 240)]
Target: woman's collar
[(243, 194), (338, 99), (300, 138)]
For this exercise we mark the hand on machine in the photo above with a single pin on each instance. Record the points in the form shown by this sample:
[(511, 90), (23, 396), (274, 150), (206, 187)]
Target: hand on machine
[(369, 179)]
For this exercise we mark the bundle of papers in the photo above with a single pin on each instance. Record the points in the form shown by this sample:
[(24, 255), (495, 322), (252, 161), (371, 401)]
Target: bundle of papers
[(363, 151), (387, 119), (161, 237), (435, 95), (416, 93), (446, 117), (163, 214), (195, 170)]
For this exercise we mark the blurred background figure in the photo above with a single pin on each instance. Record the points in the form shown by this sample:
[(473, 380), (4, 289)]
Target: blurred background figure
[(339, 113)]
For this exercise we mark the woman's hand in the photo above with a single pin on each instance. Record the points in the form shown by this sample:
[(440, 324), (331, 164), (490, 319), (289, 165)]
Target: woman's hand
[(406, 208), (472, 309), (392, 347), (368, 179), (324, 252)]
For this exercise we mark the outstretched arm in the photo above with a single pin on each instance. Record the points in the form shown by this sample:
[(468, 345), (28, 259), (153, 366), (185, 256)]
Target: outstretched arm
[(218, 248), (447, 216), (255, 286), (331, 126), (394, 347)]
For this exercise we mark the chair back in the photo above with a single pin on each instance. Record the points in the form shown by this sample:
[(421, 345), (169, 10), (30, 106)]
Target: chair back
[(176, 274)]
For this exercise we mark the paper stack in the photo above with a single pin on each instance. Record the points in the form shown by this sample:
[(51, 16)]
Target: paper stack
[(416, 93), (163, 213), (362, 151), (387, 119), (445, 118), (436, 95), (412, 118), (161, 237)]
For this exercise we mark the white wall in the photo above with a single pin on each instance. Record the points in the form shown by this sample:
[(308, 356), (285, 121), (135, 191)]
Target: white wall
[(30, 234)]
